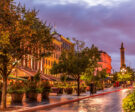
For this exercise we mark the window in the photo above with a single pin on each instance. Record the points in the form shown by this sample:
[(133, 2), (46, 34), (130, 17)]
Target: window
[(46, 61)]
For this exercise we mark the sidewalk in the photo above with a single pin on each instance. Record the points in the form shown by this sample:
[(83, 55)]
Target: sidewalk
[(54, 100)]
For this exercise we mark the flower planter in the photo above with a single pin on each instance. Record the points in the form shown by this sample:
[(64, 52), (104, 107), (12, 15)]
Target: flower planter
[(45, 94), (60, 91), (17, 97), (69, 90), (45, 90), (83, 90), (32, 96)]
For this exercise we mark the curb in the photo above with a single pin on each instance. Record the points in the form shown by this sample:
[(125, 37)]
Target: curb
[(30, 109)]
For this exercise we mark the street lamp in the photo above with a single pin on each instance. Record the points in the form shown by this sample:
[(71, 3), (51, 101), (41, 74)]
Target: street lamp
[(123, 70)]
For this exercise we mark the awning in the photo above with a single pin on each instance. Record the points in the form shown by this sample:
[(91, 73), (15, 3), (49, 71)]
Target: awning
[(52, 78), (30, 73), (17, 78)]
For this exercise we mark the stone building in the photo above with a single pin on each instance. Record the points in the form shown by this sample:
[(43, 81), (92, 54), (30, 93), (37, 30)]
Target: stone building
[(30, 66), (105, 62)]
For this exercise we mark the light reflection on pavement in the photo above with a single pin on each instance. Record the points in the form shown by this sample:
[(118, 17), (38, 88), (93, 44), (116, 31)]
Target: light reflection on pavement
[(106, 103)]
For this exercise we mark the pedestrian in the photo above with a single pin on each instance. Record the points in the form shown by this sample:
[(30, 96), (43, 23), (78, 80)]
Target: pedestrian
[(91, 88)]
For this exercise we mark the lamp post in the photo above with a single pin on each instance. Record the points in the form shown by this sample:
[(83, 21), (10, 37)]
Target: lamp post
[(123, 71)]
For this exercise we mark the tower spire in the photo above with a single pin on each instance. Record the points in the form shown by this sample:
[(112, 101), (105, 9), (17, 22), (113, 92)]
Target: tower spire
[(122, 46), (122, 51)]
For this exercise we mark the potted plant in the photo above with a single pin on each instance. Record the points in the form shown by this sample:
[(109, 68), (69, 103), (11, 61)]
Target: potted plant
[(69, 89), (46, 88), (32, 90), (60, 89), (33, 87), (16, 90)]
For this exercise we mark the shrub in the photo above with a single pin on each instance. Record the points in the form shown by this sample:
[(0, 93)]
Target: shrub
[(32, 86), (16, 87), (46, 86), (129, 102)]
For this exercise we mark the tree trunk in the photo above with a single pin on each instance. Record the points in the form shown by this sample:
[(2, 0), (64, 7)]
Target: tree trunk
[(4, 93), (78, 85)]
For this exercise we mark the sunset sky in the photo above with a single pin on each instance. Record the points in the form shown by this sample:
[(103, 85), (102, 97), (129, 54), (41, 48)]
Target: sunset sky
[(105, 23)]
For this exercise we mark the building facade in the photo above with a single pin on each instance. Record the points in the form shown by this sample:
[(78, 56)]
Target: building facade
[(54, 57), (29, 66), (66, 43), (105, 62)]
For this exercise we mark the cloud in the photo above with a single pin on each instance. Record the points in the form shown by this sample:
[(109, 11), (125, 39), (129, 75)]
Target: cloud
[(88, 2), (102, 24)]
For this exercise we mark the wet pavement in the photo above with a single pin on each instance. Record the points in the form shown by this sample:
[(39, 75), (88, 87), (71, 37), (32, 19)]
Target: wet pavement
[(106, 103), (52, 99), (87, 105)]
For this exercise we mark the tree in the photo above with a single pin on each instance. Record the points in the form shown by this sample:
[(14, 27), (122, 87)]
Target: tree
[(132, 72), (127, 76), (71, 65), (102, 74), (90, 73), (115, 77), (21, 34), (124, 77), (74, 63)]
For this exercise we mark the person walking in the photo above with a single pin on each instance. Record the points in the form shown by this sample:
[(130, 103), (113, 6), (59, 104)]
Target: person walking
[(91, 88)]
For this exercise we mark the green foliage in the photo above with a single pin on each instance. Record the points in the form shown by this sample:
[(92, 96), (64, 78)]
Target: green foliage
[(83, 85), (99, 85), (75, 64), (22, 33), (37, 77), (115, 77), (16, 87), (103, 74), (63, 78), (124, 77), (93, 57), (70, 63), (132, 72), (32, 86), (46, 86), (129, 102)]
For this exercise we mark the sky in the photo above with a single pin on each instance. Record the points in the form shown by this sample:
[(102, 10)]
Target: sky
[(104, 23)]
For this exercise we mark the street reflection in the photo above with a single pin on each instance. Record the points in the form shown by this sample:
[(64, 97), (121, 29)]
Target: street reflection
[(106, 103)]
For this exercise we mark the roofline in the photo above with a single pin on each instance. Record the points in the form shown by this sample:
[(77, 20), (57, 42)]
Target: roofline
[(66, 39)]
